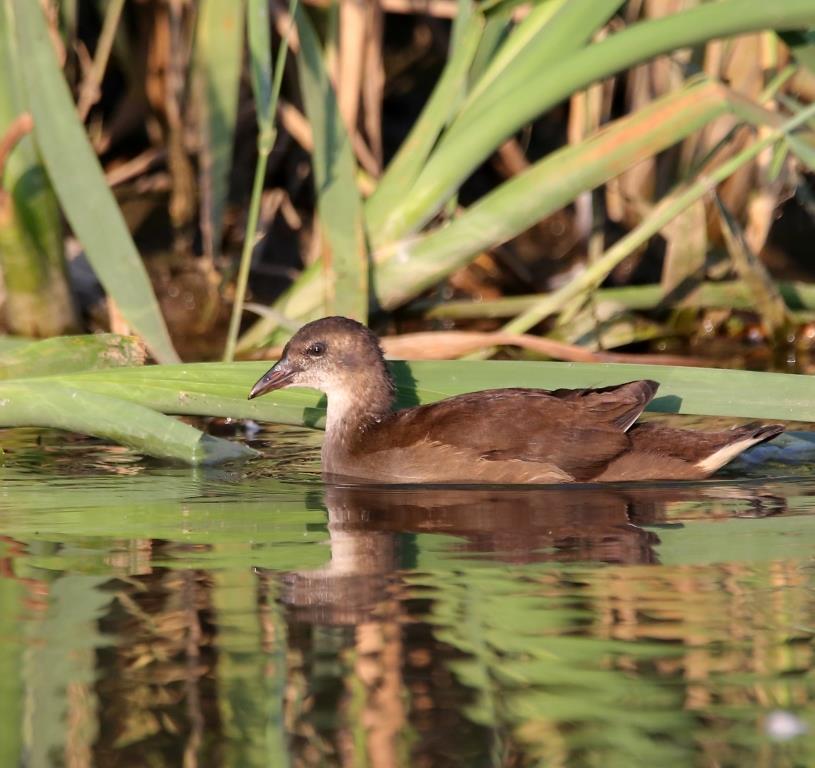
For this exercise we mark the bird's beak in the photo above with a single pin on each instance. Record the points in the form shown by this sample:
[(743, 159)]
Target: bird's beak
[(278, 376)]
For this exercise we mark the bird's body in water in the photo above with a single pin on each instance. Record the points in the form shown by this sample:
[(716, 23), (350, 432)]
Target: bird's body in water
[(491, 436)]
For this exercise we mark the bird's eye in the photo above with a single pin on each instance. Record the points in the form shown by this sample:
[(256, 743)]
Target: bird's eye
[(317, 349)]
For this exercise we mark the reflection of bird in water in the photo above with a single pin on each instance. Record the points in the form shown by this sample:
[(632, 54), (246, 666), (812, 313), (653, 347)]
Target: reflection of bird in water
[(509, 525), (394, 549), (371, 533)]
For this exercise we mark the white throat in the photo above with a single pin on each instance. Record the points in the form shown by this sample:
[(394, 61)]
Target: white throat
[(340, 402)]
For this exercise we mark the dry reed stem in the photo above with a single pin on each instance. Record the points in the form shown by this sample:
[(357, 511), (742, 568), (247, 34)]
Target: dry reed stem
[(89, 88), (737, 63), (765, 199), (769, 303), (134, 167), (802, 83), (164, 85), (373, 84), (296, 124), (350, 64), (51, 11), (18, 128), (512, 158), (284, 25), (440, 9), (364, 154), (588, 110), (116, 319), (442, 345), (299, 128), (449, 345), (686, 237)]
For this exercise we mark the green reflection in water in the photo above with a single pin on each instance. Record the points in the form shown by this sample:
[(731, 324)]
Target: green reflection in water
[(164, 617)]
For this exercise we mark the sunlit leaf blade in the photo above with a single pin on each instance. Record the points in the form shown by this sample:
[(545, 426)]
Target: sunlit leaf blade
[(523, 35), (414, 150), (218, 60), (53, 403), (547, 35), (468, 142), (407, 268), (80, 185), (66, 354), (338, 200), (673, 203), (550, 32), (260, 61), (220, 389), (496, 30), (404, 269), (731, 293)]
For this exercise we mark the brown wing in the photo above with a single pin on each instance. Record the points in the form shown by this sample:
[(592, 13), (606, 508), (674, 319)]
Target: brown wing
[(579, 431), (620, 404)]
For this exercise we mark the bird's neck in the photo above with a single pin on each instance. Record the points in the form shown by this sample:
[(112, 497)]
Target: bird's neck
[(351, 409)]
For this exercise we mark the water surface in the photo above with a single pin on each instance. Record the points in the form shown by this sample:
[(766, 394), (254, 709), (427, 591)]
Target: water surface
[(251, 616)]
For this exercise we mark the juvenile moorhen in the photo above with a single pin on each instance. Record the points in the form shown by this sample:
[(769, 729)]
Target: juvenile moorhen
[(492, 436)]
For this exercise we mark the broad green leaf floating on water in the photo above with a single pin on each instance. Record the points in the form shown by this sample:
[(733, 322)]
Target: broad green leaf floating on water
[(67, 354), (49, 402), (220, 389)]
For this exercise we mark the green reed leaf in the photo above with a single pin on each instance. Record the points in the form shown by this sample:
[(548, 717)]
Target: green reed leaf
[(518, 98), (50, 402), (80, 184), (338, 200), (218, 389), (218, 61), (68, 354)]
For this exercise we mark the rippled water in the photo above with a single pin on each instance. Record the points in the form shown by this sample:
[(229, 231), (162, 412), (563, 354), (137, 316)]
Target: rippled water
[(155, 616)]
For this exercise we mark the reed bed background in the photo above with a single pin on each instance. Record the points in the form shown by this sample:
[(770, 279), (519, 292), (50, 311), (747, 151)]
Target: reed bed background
[(591, 180)]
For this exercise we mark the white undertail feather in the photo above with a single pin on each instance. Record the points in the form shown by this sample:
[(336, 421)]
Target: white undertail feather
[(718, 459), (630, 422)]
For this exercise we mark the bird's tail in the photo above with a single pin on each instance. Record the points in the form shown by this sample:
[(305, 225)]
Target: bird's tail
[(743, 437)]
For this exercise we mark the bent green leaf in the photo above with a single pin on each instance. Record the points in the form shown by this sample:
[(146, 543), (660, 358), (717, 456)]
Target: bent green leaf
[(49, 402), (410, 266), (80, 184), (501, 110), (68, 354)]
